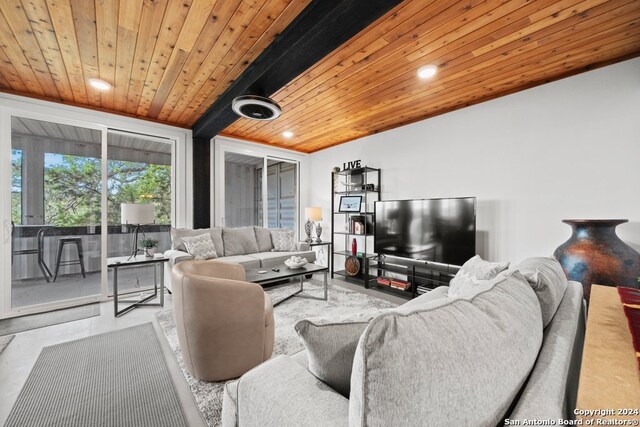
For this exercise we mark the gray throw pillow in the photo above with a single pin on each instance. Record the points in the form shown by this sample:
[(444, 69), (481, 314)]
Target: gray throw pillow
[(239, 241), (546, 277), (200, 247), (216, 236), (283, 240), (453, 348), (263, 238), (331, 345)]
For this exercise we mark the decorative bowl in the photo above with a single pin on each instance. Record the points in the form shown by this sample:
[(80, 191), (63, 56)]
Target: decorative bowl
[(295, 263)]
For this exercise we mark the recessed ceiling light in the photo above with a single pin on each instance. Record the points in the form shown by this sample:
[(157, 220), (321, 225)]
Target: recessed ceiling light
[(99, 84), (287, 134), (427, 71)]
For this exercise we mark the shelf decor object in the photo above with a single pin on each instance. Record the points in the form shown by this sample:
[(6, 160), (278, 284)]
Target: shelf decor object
[(312, 214), (595, 254), (137, 214)]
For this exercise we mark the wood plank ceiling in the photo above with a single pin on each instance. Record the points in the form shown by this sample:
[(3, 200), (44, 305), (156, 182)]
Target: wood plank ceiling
[(170, 60), (164, 58), (484, 49)]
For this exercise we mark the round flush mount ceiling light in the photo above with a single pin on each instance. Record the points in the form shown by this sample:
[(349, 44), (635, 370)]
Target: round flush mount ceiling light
[(256, 107), (287, 134), (99, 84), (427, 71)]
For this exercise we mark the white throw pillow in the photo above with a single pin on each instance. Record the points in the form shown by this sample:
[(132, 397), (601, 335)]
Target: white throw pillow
[(283, 240), (474, 271), (200, 247)]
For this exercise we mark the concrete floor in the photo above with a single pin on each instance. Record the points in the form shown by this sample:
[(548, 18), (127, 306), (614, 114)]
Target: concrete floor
[(19, 357)]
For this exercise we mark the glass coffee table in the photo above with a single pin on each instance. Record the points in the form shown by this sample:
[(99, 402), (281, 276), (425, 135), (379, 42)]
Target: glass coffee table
[(270, 275)]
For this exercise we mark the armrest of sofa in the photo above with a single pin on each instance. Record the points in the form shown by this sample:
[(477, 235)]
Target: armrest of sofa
[(281, 392), (302, 247), (176, 256)]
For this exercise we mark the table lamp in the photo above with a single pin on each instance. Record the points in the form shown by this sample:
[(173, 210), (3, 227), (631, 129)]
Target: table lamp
[(313, 214), (137, 214)]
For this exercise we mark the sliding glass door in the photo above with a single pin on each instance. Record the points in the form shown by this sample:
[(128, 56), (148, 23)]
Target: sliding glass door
[(56, 185), (258, 190), (62, 209)]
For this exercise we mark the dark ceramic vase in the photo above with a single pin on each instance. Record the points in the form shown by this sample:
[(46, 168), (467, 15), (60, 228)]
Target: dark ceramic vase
[(594, 254)]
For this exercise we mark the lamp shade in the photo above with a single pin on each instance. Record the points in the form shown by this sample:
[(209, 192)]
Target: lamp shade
[(313, 214), (137, 213)]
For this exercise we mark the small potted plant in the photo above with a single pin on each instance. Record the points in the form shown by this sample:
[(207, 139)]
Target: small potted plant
[(149, 246)]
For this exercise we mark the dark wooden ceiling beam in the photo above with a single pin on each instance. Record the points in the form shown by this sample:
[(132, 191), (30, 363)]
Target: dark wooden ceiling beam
[(319, 29)]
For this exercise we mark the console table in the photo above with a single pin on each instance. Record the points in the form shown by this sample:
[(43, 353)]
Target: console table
[(609, 375), (137, 261)]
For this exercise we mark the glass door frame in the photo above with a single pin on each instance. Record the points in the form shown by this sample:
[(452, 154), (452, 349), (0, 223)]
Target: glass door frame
[(5, 214), (181, 182), (224, 145)]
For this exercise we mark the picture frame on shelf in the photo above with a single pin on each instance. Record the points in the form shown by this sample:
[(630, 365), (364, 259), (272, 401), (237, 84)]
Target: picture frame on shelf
[(358, 227), (350, 203)]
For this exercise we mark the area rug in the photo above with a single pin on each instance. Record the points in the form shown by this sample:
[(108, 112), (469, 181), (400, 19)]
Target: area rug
[(4, 342), (115, 379), (208, 395), (40, 320)]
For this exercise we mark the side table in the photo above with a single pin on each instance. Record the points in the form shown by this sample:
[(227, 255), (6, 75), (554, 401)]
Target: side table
[(327, 254), (137, 261), (609, 376)]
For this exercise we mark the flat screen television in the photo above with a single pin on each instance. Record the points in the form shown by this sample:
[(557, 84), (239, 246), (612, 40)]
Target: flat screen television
[(439, 230)]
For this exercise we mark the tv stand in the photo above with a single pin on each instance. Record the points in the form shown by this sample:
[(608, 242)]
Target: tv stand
[(421, 276)]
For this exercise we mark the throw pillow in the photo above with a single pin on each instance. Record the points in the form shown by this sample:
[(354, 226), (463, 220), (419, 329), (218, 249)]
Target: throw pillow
[(178, 234), (546, 277), (263, 238), (331, 345), (473, 272), (239, 241), (483, 347), (200, 247), (283, 240)]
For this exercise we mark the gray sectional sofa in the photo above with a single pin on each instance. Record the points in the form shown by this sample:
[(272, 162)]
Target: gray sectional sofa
[(251, 247), (508, 348)]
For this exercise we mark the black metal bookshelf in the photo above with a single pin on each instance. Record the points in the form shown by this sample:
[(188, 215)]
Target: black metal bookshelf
[(365, 182)]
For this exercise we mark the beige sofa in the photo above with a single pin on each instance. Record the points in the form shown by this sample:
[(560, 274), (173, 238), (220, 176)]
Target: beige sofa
[(225, 325), (250, 247)]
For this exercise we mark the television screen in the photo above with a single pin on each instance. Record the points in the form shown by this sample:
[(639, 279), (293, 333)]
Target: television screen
[(439, 230)]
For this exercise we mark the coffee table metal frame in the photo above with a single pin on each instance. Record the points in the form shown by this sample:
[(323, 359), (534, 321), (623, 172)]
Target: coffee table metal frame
[(285, 272), (137, 261)]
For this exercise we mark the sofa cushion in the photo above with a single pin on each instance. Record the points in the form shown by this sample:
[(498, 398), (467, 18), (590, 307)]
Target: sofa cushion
[(200, 247), (283, 240), (178, 233), (274, 259), (239, 241), (263, 238), (475, 269), (466, 358), (331, 344), (546, 277), (248, 262)]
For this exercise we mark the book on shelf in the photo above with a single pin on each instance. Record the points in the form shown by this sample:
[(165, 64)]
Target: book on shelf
[(400, 284), (383, 281)]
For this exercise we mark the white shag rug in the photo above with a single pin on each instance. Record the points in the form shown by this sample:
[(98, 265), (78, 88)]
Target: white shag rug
[(208, 395)]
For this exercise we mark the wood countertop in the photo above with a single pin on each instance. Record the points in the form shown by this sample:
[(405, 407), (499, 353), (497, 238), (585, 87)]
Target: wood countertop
[(609, 374)]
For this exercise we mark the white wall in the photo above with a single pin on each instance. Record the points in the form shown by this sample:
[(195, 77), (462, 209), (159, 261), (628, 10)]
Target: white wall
[(567, 149)]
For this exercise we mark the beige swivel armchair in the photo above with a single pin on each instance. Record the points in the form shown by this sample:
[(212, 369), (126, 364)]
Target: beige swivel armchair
[(225, 325)]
